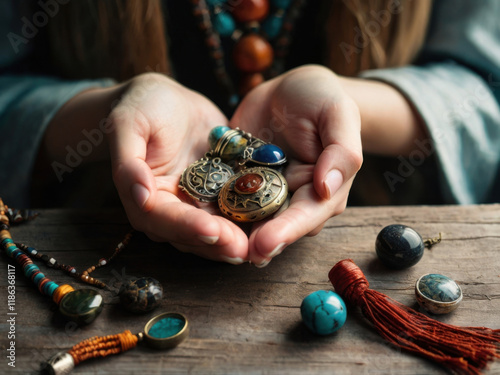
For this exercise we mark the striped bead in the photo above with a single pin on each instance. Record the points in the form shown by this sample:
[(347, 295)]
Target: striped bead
[(50, 288), (38, 277), (42, 283), (30, 269)]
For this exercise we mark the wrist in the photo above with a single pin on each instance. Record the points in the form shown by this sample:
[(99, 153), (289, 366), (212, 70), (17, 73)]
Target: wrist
[(80, 126), (390, 125)]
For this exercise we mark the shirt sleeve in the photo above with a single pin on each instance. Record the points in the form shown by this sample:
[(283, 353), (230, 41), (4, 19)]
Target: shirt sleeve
[(27, 105), (456, 90)]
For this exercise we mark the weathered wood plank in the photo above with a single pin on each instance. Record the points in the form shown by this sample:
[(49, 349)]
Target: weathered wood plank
[(246, 320)]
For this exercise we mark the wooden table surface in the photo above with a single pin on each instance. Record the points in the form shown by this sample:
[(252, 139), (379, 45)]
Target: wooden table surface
[(246, 320)]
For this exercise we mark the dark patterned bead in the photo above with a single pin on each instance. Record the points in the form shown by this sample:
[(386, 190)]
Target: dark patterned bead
[(140, 295)]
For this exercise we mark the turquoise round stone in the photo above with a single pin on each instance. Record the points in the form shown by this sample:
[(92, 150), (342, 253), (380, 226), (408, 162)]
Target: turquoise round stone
[(81, 306), (224, 24), (272, 26), (323, 312), (166, 327), (215, 134), (234, 148), (439, 288), (268, 154)]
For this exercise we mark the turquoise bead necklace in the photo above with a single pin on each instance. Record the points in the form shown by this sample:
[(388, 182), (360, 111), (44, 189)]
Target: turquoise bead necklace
[(137, 295), (81, 306)]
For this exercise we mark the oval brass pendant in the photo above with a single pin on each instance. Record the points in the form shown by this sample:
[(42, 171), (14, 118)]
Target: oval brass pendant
[(253, 194), (203, 179)]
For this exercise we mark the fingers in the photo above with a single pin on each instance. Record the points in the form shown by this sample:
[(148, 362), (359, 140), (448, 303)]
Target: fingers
[(306, 214), (341, 158), (193, 230)]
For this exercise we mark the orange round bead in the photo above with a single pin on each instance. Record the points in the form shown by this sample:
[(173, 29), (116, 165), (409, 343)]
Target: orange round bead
[(251, 10), (249, 81), (253, 54)]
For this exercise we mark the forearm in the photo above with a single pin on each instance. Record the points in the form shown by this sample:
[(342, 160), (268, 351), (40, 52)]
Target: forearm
[(81, 125), (389, 123)]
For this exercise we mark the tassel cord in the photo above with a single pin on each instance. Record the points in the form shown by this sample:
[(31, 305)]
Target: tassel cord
[(103, 346)]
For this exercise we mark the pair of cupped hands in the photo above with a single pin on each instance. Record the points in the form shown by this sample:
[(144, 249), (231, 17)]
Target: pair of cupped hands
[(161, 127)]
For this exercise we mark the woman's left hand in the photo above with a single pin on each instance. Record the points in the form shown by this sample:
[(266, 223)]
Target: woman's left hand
[(308, 114)]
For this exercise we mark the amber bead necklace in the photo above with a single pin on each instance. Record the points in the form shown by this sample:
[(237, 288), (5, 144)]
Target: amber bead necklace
[(261, 34)]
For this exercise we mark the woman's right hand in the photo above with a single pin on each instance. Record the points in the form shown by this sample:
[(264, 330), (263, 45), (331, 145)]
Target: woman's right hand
[(159, 128)]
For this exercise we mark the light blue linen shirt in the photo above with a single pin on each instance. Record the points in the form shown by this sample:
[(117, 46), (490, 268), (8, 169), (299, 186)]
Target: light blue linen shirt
[(455, 87), (27, 105), (456, 90)]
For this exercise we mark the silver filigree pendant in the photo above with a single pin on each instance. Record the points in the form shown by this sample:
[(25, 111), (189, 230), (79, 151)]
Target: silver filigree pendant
[(203, 179)]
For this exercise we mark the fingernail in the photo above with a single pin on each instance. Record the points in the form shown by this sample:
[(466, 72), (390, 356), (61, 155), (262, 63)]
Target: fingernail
[(333, 181), (262, 264), (140, 194), (209, 240), (277, 250), (234, 261)]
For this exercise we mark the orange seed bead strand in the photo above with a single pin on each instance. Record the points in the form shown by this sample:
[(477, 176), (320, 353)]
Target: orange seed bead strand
[(103, 346)]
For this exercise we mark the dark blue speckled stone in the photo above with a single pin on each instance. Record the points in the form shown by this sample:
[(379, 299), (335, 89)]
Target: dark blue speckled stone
[(140, 295), (323, 312), (439, 288), (268, 154), (399, 246)]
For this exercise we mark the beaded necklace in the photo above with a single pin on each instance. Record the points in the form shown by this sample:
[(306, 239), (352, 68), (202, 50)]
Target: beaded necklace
[(70, 270), (82, 306), (261, 33)]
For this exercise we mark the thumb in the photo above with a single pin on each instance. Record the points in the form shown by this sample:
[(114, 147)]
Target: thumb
[(132, 176), (342, 155)]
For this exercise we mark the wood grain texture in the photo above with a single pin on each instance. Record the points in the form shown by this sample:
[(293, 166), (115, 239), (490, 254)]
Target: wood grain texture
[(246, 320)]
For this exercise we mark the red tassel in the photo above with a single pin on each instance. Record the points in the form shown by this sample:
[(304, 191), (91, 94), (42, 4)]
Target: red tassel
[(465, 350)]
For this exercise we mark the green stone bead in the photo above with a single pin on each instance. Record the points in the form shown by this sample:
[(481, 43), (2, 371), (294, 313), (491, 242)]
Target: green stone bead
[(81, 306)]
